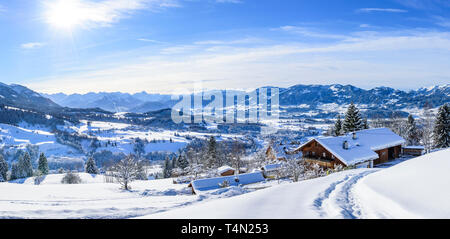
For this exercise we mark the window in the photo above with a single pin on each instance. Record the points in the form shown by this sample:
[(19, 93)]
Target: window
[(324, 155)]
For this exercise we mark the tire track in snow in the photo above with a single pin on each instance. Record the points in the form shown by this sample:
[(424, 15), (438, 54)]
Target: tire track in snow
[(338, 200)]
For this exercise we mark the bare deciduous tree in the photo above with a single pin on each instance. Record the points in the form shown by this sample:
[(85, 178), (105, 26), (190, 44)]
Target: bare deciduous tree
[(126, 171)]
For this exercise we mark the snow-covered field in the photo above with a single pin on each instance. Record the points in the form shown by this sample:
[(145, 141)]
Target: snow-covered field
[(416, 188)]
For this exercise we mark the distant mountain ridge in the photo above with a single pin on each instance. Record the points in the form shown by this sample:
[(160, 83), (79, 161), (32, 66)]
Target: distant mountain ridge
[(115, 102), (21, 97), (379, 98)]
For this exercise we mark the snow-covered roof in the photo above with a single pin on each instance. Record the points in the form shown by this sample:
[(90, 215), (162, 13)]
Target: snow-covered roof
[(213, 183), (224, 169), (363, 147), (415, 147), (271, 167)]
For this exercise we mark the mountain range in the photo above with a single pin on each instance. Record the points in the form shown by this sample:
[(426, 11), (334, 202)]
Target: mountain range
[(298, 99)]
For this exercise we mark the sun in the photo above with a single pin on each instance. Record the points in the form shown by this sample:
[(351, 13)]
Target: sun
[(65, 14)]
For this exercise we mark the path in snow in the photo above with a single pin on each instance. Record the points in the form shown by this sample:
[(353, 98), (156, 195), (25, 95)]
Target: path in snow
[(338, 200)]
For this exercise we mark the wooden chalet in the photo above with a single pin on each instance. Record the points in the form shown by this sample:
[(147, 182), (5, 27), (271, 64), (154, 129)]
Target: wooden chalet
[(363, 148)]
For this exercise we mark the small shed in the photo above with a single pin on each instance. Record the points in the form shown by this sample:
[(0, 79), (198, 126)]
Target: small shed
[(225, 171), (271, 170), (413, 150)]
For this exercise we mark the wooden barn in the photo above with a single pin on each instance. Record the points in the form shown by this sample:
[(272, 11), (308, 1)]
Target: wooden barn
[(413, 150), (363, 148)]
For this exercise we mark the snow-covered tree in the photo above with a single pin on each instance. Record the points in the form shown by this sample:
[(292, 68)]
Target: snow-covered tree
[(212, 152), (427, 131), (441, 133), (43, 164), (91, 168), (365, 124), (337, 131), (294, 168), (412, 132), (139, 147), (3, 169), (126, 171), (237, 150), (182, 161), (352, 121), (167, 170)]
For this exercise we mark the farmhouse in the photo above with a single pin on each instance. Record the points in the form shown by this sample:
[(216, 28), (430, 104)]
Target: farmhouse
[(363, 148)]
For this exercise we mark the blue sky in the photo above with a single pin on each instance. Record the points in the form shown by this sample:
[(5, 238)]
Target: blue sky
[(165, 45)]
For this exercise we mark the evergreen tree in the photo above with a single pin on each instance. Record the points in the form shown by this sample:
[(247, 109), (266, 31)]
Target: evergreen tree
[(182, 161), (337, 131), (212, 152), (91, 168), (167, 172), (43, 164), (15, 171), (412, 133), (174, 162), (25, 166), (3, 169), (352, 120), (365, 124), (441, 132)]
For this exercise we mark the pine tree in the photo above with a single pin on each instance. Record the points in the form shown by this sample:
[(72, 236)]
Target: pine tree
[(3, 169), (25, 166), (441, 132), (14, 171), (174, 162), (212, 152), (167, 172), (182, 161), (91, 168), (352, 120), (337, 131), (412, 133), (43, 164), (365, 124)]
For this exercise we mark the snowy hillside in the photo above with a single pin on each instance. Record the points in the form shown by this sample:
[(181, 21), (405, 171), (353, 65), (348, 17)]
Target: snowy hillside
[(417, 188)]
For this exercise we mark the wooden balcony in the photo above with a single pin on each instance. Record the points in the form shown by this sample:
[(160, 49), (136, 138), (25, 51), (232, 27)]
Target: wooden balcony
[(321, 162)]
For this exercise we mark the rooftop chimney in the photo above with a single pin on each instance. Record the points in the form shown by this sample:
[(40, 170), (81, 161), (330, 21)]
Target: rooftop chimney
[(345, 145)]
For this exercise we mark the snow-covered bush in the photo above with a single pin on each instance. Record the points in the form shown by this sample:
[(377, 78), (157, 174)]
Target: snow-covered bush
[(71, 178)]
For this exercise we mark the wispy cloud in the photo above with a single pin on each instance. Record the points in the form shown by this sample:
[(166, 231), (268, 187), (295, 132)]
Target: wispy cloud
[(106, 12), (150, 40), (308, 32), (2, 9), (229, 1), (32, 45), (414, 56), (425, 4), (442, 21), (369, 10)]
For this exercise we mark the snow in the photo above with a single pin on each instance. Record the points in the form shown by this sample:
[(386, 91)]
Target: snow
[(91, 199), (416, 188), (414, 147)]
